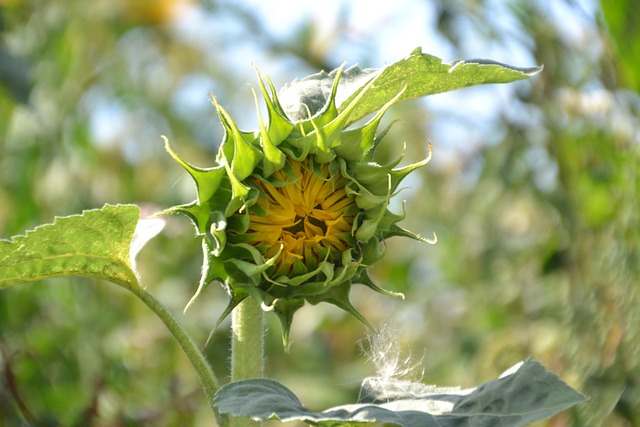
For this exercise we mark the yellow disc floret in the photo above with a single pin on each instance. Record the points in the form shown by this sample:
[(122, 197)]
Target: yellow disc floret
[(305, 216)]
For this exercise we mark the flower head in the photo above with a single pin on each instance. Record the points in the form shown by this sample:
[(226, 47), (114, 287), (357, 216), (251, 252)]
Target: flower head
[(297, 210)]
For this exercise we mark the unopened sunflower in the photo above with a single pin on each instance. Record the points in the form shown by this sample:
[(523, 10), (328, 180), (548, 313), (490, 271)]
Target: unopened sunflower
[(297, 210)]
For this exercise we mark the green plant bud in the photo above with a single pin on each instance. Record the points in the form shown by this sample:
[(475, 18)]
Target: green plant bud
[(296, 211)]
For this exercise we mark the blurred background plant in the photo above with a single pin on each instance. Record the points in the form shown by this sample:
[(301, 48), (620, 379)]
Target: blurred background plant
[(533, 191)]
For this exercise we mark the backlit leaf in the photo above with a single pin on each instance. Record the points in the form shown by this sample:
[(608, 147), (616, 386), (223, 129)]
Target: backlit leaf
[(97, 243), (417, 75)]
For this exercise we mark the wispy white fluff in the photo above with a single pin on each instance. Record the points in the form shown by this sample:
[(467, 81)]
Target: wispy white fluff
[(397, 372)]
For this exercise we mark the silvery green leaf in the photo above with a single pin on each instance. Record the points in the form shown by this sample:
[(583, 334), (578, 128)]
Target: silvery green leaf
[(418, 75), (522, 395)]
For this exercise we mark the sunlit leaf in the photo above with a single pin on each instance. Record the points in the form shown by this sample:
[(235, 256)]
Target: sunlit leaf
[(98, 243), (419, 75)]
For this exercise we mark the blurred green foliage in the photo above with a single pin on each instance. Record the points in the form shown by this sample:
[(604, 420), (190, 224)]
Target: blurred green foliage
[(535, 204)]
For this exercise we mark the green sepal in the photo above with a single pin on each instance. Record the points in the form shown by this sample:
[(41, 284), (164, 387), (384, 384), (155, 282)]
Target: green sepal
[(373, 184), (236, 151), (217, 233), (373, 176), (279, 126), (368, 156), (369, 226), (339, 296), (356, 143), (236, 296), (364, 199), (239, 223), (245, 272), (285, 309), (207, 180), (388, 221), (341, 120), (239, 193), (210, 271), (198, 214), (273, 159), (271, 181), (372, 218), (372, 251), (333, 277), (365, 280), (239, 157), (298, 279), (395, 230), (328, 135), (327, 113), (323, 143), (298, 148), (397, 175)]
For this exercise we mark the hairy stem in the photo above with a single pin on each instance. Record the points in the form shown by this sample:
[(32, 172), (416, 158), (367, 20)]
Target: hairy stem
[(247, 347), (202, 368)]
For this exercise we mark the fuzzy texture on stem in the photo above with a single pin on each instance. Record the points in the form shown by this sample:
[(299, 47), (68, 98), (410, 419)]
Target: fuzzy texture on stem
[(247, 348), (247, 345)]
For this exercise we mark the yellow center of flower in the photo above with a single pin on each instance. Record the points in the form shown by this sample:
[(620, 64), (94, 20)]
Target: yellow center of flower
[(306, 216)]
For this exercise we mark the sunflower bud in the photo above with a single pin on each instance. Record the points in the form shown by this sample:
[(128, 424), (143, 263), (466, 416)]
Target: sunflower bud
[(297, 210)]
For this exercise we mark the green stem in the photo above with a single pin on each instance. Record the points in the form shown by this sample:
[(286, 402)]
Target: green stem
[(247, 347), (203, 370)]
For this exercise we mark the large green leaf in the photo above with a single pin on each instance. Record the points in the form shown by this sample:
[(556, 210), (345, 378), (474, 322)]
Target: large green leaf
[(525, 393), (100, 243), (419, 74)]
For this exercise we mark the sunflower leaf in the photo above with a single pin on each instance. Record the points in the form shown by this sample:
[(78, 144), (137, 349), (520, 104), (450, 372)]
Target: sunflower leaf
[(99, 243), (422, 75), (525, 393)]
